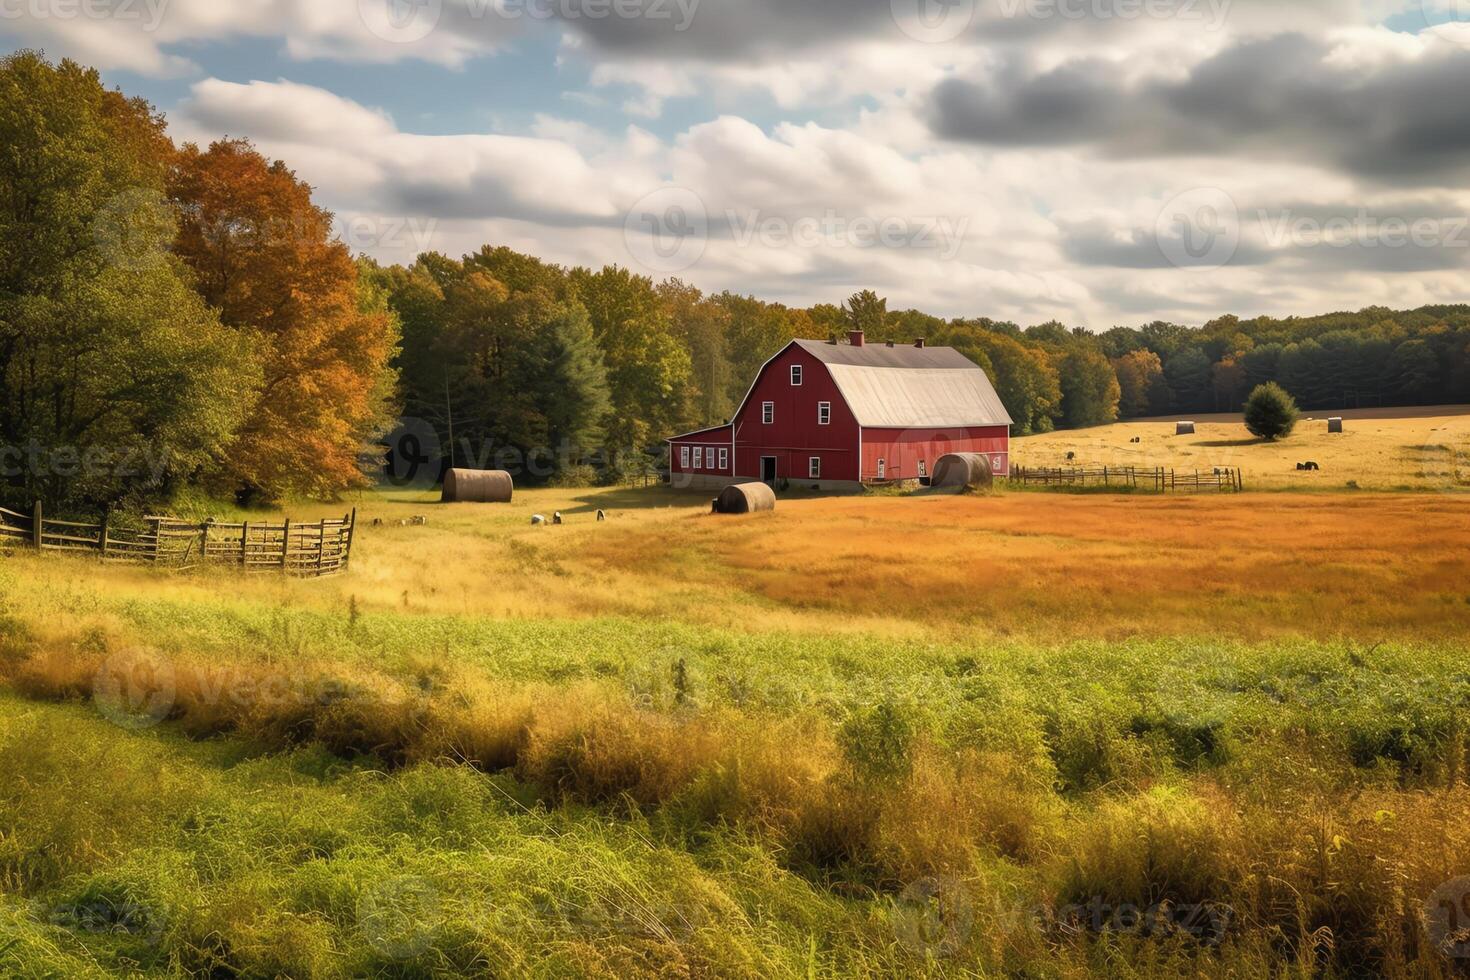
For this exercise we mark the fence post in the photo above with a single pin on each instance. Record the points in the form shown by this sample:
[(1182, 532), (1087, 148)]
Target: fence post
[(244, 544), (285, 544), (321, 545), (36, 529), (351, 533), (106, 531)]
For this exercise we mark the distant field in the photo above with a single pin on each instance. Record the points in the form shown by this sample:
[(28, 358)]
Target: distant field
[(1388, 449), (862, 736)]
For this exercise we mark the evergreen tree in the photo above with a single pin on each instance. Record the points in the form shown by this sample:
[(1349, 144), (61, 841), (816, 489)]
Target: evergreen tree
[(1270, 413)]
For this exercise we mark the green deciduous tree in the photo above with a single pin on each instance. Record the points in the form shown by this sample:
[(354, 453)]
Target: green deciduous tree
[(1090, 389), (116, 378)]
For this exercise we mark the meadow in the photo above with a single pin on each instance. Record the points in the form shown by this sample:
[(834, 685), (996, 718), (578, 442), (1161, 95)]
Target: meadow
[(1012, 734), (1383, 449)]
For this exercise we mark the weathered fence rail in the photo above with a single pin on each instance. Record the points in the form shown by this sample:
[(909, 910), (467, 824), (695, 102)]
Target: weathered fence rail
[(307, 550), (1154, 480)]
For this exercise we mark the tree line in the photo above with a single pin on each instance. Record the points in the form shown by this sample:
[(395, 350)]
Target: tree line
[(178, 319)]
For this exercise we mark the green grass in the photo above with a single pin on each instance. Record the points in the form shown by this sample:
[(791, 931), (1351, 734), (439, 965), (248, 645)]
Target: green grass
[(345, 789)]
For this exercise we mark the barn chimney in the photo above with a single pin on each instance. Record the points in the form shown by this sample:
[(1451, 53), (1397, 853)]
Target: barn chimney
[(919, 343), (856, 338)]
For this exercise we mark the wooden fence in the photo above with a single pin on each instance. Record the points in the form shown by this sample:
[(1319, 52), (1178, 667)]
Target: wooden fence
[(309, 550), (1154, 480)]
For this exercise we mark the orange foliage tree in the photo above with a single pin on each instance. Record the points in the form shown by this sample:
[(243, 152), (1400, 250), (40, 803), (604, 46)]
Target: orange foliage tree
[(264, 255)]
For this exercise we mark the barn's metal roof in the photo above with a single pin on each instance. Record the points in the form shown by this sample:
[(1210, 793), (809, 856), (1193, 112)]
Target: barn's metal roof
[(910, 387)]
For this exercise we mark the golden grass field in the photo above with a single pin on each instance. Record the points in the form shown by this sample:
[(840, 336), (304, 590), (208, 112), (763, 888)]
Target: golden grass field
[(1029, 564), (1377, 450), (872, 735)]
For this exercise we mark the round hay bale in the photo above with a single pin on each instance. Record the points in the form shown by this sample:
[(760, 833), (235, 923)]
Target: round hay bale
[(478, 487), (1334, 425), (746, 498), (1184, 429), (962, 471)]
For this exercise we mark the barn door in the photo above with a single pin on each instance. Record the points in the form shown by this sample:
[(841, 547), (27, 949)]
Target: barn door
[(768, 469)]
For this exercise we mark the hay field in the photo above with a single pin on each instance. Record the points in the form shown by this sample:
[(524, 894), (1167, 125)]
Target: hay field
[(862, 736), (1377, 450)]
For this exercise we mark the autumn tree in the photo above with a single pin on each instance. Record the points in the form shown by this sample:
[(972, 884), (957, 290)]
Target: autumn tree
[(1140, 383), (116, 378), (264, 256)]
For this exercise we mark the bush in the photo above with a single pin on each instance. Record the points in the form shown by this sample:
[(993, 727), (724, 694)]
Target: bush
[(1270, 413)]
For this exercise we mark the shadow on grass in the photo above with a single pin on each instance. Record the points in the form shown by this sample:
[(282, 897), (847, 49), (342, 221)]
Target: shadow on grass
[(1233, 443)]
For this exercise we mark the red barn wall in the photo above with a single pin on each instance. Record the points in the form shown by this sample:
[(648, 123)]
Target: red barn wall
[(902, 449), (796, 435), (711, 441)]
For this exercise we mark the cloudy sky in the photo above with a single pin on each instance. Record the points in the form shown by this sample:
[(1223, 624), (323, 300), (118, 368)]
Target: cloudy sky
[(1101, 162)]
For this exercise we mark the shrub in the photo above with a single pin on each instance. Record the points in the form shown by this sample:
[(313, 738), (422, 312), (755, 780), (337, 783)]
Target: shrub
[(1270, 413)]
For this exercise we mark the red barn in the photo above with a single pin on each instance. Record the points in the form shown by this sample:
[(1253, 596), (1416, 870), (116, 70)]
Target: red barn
[(839, 416)]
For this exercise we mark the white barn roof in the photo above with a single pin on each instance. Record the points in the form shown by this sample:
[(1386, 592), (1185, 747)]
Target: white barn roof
[(910, 387)]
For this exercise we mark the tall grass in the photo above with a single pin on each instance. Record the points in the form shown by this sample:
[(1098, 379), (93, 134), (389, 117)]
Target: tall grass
[(256, 778)]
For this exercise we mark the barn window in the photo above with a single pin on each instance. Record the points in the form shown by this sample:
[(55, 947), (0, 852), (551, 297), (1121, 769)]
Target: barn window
[(814, 467), (923, 469), (882, 469), (724, 459), (683, 457), (824, 413), (698, 458), (768, 412), (796, 375)]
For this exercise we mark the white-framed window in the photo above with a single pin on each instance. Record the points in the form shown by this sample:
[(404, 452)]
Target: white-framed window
[(814, 468), (923, 469), (698, 458), (768, 413), (882, 469), (824, 413), (724, 459), (796, 375), (684, 457)]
